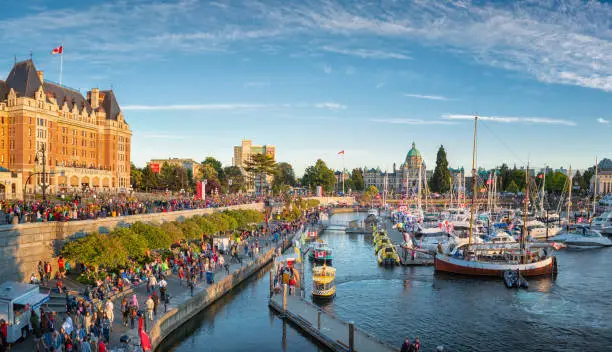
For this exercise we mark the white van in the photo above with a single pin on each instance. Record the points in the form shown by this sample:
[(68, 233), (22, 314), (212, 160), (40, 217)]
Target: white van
[(17, 300)]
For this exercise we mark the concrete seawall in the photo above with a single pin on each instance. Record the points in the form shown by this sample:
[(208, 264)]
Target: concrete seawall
[(23, 245)]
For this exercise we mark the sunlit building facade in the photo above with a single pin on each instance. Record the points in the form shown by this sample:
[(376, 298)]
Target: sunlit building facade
[(85, 140)]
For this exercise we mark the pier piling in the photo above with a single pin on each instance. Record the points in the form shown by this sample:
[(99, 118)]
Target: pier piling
[(284, 298), (271, 284), (319, 320), (351, 326)]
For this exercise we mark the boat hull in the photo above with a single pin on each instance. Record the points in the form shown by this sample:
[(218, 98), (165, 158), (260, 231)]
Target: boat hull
[(472, 268), (324, 294)]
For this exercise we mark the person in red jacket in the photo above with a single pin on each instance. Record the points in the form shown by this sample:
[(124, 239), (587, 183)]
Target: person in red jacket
[(101, 346)]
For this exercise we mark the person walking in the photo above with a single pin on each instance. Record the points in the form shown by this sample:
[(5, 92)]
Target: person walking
[(150, 305), (125, 310), (162, 288), (155, 298), (109, 310)]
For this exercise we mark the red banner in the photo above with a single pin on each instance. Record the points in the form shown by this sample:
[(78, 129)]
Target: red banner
[(199, 189), (155, 168)]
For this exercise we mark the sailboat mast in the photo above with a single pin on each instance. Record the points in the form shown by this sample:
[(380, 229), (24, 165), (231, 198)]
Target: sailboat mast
[(474, 182), (569, 197), (524, 236), (595, 187), (543, 190), (419, 188)]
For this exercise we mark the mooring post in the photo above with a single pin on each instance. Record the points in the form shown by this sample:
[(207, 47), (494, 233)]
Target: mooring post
[(319, 320), (351, 336), (271, 284), (284, 298)]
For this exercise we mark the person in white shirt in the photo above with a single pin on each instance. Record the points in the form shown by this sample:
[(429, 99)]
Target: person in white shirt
[(108, 308)]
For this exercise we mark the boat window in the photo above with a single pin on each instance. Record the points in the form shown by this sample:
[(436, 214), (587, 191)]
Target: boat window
[(4, 311)]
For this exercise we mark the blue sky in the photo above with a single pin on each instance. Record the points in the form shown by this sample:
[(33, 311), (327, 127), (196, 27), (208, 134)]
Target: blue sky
[(316, 77)]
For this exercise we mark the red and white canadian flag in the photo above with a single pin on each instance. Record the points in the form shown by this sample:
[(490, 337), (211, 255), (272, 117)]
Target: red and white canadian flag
[(341, 152), (58, 50)]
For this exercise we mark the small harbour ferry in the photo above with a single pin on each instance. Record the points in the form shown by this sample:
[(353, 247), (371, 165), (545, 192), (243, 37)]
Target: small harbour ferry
[(387, 255), (320, 253), (323, 282)]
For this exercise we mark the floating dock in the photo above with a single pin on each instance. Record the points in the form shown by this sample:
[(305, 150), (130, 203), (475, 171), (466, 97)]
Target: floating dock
[(420, 258), (335, 334)]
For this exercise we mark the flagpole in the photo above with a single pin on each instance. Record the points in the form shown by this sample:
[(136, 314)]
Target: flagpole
[(61, 63), (342, 174)]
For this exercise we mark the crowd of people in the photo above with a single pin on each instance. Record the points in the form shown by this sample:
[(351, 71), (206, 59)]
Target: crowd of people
[(78, 208), (88, 322)]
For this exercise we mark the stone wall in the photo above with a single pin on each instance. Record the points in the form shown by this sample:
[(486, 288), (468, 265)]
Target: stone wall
[(23, 245)]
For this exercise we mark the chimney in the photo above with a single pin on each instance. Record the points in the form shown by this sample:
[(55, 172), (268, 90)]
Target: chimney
[(41, 76), (95, 98)]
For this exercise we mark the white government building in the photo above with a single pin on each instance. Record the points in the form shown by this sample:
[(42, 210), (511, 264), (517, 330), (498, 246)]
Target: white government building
[(403, 180)]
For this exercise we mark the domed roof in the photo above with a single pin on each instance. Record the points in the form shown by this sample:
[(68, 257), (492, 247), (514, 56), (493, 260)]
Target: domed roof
[(605, 164), (413, 152)]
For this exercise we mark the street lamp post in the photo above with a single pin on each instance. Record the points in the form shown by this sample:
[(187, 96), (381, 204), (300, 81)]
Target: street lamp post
[(43, 173)]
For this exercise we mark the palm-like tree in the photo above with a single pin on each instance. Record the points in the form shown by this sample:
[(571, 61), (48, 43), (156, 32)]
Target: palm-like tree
[(261, 165)]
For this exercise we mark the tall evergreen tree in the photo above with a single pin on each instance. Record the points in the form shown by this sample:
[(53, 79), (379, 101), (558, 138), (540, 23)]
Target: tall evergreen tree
[(357, 179), (440, 181)]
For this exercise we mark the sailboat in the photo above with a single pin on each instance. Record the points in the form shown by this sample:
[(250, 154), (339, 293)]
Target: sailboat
[(495, 259)]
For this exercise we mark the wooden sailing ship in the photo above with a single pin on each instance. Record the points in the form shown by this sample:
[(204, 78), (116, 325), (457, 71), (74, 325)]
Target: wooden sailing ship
[(489, 260)]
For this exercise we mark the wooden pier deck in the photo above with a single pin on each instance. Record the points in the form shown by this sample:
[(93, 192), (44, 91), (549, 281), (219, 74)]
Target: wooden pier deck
[(327, 329)]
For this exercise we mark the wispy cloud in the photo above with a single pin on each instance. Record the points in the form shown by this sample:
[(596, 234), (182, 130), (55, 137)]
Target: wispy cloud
[(603, 121), (568, 44), (331, 106), (427, 97), (403, 121), (380, 85), (513, 119), (368, 53), (324, 105), (327, 69)]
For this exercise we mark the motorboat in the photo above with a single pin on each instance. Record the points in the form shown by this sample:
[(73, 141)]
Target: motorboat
[(603, 223), (382, 243), (387, 255), (514, 279), (498, 235), (537, 230), (585, 238), (323, 282)]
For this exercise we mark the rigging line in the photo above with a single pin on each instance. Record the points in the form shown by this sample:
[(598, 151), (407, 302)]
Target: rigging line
[(502, 142)]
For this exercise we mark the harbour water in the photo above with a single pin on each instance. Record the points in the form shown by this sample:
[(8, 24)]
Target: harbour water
[(569, 313)]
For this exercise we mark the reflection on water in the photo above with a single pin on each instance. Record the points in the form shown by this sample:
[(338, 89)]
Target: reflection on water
[(570, 313)]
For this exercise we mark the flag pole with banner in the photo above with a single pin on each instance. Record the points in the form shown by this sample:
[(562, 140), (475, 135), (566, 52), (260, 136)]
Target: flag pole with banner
[(60, 51), (342, 175)]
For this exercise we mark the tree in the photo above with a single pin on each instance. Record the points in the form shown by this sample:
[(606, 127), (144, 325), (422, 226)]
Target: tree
[(357, 179), (136, 177), (234, 179), (283, 176), (513, 187), (319, 175), (217, 166), (260, 166), (440, 181), (150, 179), (370, 194), (587, 176)]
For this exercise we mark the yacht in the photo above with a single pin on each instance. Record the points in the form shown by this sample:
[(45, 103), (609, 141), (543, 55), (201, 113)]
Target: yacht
[(585, 238), (603, 223), (537, 230)]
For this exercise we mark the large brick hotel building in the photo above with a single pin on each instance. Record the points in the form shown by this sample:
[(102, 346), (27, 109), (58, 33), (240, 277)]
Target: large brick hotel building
[(86, 140)]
